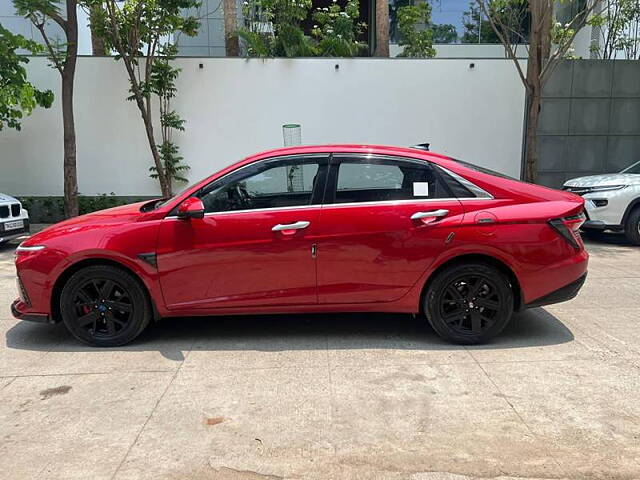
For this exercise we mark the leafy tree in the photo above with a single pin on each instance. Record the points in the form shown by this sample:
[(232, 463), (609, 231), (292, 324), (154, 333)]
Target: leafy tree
[(273, 28), (549, 42), (18, 97), (337, 30), (618, 26), (98, 46), (63, 56), (140, 32), (416, 43), (444, 33)]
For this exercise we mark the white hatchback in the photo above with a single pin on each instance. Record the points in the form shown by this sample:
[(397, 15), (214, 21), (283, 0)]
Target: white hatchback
[(612, 201), (14, 220)]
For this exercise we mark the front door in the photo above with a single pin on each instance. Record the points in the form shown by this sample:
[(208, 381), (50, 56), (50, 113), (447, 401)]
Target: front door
[(385, 221), (255, 244)]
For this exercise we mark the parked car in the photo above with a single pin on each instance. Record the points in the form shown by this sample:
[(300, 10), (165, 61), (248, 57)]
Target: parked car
[(338, 228), (612, 201), (14, 220)]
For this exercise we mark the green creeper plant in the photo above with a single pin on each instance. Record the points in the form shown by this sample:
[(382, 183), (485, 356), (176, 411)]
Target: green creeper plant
[(18, 97), (417, 42)]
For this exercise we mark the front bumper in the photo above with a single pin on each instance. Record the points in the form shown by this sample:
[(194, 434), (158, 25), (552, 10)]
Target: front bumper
[(560, 295), (17, 310), (11, 234)]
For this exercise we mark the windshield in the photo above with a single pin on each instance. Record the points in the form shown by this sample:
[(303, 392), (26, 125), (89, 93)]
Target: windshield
[(635, 168), (154, 204), (483, 170)]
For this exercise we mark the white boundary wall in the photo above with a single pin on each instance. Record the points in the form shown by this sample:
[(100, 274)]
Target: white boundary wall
[(235, 107)]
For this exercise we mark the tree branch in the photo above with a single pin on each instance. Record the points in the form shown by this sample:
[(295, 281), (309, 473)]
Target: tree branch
[(507, 45)]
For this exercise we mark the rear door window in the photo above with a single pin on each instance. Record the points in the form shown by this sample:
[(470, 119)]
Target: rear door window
[(380, 179)]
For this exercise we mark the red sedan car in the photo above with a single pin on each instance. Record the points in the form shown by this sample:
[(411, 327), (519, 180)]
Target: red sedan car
[(337, 228)]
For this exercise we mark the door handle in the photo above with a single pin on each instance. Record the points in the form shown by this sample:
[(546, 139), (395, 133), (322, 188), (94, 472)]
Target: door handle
[(432, 214), (290, 228)]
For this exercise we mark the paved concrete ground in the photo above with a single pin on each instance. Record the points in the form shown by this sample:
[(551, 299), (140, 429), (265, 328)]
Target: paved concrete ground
[(333, 396)]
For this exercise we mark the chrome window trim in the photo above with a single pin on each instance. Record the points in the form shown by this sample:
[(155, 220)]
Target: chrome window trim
[(480, 193), (329, 205), (268, 159)]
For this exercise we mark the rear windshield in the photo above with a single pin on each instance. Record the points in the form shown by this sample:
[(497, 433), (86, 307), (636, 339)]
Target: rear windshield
[(483, 170)]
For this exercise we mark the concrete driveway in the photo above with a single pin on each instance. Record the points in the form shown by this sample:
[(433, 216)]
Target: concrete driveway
[(333, 396)]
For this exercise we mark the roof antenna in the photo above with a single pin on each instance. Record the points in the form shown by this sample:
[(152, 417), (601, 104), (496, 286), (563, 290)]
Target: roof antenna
[(422, 146)]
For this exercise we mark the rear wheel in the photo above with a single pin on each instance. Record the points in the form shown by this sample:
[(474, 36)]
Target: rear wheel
[(104, 306), (469, 303), (632, 226)]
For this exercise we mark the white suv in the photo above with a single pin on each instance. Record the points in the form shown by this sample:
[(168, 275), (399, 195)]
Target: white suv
[(612, 201), (14, 220)]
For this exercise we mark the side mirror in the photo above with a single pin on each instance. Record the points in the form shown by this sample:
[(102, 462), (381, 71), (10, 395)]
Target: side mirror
[(191, 208)]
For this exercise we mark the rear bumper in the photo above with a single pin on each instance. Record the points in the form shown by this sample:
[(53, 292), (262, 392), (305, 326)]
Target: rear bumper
[(560, 295), (17, 310)]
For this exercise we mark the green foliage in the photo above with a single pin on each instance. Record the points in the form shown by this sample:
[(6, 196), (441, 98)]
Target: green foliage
[(51, 209), (337, 30), (273, 28), (415, 35), (99, 202), (172, 162), (18, 97), (41, 12), (619, 27), (444, 33)]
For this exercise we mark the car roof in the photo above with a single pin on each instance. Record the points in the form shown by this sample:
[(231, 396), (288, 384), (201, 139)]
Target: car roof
[(349, 148)]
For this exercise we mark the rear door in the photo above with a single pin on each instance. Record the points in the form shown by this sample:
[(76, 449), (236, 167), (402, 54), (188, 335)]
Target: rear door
[(384, 221)]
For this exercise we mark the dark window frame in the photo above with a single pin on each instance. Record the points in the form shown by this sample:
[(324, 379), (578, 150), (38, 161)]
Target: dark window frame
[(336, 159), (260, 166)]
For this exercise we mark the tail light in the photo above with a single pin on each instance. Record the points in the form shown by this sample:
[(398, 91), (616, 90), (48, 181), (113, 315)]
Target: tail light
[(568, 228)]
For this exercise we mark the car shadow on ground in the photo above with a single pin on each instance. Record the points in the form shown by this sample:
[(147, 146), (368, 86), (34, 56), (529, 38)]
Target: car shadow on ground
[(171, 337), (604, 239)]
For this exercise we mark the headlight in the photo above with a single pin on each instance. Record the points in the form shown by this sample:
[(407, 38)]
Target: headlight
[(606, 188), (34, 248)]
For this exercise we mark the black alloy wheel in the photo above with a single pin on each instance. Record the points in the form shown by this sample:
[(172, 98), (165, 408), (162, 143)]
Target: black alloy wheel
[(104, 306), (469, 303)]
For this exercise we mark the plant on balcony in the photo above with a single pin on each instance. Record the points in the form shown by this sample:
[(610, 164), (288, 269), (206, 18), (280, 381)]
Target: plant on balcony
[(336, 30), (415, 35)]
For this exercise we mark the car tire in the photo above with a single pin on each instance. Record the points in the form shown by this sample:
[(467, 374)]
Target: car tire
[(104, 306), (632, 226), (469, 303)]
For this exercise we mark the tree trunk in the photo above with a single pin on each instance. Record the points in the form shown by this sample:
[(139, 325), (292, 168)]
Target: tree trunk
[(539, 47), (231, 40), (97, 42), (531, 149), (165, 183), (68, 76), (382, 29)]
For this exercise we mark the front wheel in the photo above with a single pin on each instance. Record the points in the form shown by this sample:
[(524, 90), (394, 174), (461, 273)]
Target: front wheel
[(632, 226), (104, 306), (469, 303)]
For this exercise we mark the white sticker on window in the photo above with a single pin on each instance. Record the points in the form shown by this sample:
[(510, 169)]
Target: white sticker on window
[(420, 189)]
